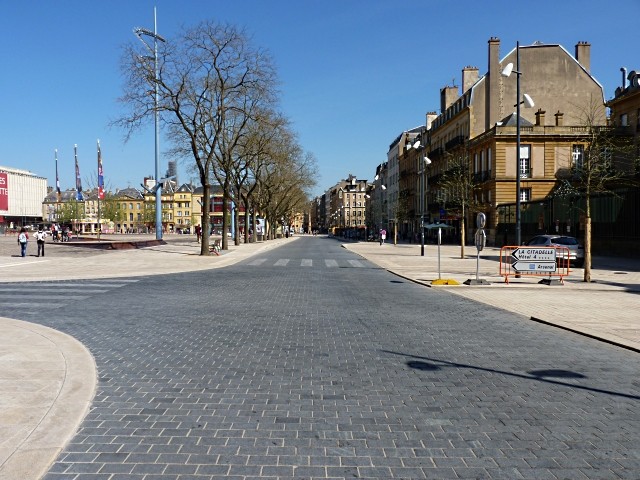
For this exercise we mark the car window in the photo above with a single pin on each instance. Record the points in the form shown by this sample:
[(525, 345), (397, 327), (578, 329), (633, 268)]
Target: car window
[(565, 241)]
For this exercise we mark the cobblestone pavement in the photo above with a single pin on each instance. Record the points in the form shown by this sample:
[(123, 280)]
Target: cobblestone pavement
[(349, 370), (308, 362)]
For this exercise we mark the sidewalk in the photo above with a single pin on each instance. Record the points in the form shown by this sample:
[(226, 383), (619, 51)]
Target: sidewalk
[(47, 379)]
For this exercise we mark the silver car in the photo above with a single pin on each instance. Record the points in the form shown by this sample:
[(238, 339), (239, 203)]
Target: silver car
[(576, 250)]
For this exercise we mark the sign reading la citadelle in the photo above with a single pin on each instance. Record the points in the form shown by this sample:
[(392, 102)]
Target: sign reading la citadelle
[(4, 192), (534, 259)]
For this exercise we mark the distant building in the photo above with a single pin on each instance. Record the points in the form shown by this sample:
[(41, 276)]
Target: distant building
[(21, 196)]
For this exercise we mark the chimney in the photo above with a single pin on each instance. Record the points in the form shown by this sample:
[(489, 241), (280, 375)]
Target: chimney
[(624, 77), (583, 55), (493, 113), (559, 120), (469, 77), (448, 95), (540, 117), (431, 116)]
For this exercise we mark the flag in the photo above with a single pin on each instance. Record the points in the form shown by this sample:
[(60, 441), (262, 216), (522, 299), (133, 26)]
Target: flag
[(100, 175), (79, 195), (59, 193)]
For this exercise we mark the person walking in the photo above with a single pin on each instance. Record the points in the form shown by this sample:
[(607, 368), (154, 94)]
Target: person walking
[(40, 236), (383, 235), (23, 240)]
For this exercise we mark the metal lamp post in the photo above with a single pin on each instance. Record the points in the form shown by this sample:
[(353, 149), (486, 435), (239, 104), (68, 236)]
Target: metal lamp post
[(528, 102), (423, 189), (158, 188)]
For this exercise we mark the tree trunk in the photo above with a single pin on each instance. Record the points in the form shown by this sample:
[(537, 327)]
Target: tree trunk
[(463, 234), (587, 249), (225, 217), (204, 244)]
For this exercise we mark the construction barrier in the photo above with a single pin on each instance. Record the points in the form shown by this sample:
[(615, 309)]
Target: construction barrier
[(550, 263)]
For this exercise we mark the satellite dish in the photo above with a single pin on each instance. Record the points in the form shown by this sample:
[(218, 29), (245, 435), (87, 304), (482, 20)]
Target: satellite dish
[(507, 70), (417, 144), (528, 101), (383, 187), (427, 160)]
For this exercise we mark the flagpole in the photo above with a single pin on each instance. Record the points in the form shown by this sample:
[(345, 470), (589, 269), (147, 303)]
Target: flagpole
[(100, 188), (78, 187)]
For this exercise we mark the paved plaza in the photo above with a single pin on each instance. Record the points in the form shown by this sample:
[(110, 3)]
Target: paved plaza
[(292, 380)]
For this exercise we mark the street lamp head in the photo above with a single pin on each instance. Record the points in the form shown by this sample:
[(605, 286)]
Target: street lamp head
[(528, 101), (506, 72), (415, 145), (384, 187), (427, 160)]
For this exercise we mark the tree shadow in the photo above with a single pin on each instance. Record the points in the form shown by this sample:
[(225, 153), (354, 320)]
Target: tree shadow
[(547, 376)]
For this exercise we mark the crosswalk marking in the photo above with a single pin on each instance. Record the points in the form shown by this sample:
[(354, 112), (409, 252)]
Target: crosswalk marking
[(31, 296), (307, 262), (39, 296)]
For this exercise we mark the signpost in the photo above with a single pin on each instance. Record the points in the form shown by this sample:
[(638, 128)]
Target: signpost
[(481, 241)]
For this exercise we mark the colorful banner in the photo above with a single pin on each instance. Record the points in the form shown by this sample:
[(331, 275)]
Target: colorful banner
[(100, 175), (4, 191), (79, 195)]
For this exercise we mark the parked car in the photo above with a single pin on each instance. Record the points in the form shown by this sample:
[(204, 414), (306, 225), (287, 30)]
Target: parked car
[(576, 250)]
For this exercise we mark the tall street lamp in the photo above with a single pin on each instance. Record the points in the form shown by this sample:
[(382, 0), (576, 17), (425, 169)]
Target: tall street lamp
[(528, 102), (158, 188), (424, 162)]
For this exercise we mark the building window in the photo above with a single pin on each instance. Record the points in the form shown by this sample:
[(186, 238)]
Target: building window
[(131, 217), (624, 120), (525, 194), (524, 165), (577, 156)]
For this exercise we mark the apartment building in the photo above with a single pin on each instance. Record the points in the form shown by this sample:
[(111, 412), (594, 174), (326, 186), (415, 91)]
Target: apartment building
[(479, 125)]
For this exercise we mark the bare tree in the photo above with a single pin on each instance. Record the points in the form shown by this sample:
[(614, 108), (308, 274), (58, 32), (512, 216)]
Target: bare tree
[(211, 82), (254, 154), (604, 162), (457, 185)]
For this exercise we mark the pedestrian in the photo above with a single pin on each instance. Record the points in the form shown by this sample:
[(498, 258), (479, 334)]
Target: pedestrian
[(23, 240), (383, 235), (40, 236), (198, 233)]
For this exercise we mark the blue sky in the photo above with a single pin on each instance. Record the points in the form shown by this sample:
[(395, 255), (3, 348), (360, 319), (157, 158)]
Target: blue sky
[(354, 73)]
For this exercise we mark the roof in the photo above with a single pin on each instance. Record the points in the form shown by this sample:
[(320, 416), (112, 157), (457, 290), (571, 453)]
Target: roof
[(511, 121)]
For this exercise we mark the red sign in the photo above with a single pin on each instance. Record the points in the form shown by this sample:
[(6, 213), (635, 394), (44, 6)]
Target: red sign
[(4, 191)]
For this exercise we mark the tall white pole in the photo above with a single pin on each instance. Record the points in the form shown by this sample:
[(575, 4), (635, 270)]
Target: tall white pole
[(157, 129), (518, 229)]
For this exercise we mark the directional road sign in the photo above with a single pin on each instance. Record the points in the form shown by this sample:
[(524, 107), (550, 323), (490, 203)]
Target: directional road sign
[(527, 266), (538, 254)]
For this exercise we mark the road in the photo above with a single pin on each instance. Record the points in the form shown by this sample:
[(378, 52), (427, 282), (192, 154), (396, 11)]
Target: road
[(307, 361)]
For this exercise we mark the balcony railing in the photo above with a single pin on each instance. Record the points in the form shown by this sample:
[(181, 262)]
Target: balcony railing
[(482, 177), (454, 142)]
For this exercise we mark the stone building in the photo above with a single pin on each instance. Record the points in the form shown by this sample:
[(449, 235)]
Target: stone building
[(479, 125)]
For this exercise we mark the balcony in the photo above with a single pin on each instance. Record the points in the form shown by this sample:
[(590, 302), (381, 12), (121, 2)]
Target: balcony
[(482, 177), (435, 152), (454, 142)]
